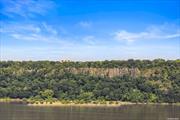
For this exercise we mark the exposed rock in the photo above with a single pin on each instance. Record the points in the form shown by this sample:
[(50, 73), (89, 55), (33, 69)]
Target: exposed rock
[(110, 72)]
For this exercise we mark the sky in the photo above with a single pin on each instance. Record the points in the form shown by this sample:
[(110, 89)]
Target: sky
[(88, 30)]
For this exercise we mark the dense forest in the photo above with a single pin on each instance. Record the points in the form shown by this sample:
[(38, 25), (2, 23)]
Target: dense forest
[(131, 80)]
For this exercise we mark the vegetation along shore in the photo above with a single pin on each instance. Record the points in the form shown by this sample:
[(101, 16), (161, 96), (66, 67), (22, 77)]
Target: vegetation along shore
[(55, 103), (100, 82)]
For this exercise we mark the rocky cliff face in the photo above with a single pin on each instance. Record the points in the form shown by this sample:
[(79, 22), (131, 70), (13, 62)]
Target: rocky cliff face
[(109, 72), (103, 72), (114, 72)]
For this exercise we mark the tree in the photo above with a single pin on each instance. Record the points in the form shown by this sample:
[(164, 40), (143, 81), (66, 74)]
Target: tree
[(47, 94), (134, 96)]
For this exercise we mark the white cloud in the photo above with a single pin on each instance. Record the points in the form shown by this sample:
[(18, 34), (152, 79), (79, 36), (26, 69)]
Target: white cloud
[(26, 8), (31, 37), (34, 32), (85, 24), (30, 32), (151, 33), (58, 40), (91, 47), (49, 28), (19, 28)]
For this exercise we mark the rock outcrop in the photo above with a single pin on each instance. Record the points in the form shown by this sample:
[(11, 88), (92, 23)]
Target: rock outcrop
[(109, 72)]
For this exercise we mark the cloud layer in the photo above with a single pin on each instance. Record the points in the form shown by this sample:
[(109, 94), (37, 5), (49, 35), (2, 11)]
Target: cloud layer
[(26, 8), (151, 33)]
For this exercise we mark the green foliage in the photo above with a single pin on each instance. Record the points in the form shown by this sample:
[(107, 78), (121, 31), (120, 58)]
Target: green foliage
[(46, 94), (152, 97), (86, 96), (49, 81), (134, 96)]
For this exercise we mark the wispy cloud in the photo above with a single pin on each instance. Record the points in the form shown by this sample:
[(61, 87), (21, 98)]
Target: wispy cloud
[(51, 45), (42, 32), (26, 8), (32, 37), (85, 24), (151, 33), (49, 28), (19, 28)]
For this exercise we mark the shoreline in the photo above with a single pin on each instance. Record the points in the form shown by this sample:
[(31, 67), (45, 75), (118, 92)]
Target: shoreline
[(73, 103)]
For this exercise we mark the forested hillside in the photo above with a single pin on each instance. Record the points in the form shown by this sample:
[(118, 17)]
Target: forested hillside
[(131, 80)]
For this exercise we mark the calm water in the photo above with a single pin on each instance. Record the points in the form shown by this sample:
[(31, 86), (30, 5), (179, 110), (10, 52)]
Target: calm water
[(131, 112)]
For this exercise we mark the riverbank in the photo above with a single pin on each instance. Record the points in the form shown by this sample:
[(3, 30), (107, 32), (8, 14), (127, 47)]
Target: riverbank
[(107, 104), (75, 103), (91, 104)]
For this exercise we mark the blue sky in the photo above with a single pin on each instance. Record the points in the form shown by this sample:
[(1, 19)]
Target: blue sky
[(89, 29)]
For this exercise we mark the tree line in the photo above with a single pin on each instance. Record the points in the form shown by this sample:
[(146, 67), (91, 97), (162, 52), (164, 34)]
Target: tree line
[(42, 80)]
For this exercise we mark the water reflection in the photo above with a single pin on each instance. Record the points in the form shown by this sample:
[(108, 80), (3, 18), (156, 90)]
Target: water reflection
[(131, 112)]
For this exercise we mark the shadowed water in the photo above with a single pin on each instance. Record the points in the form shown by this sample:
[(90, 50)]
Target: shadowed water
[(129, 112)]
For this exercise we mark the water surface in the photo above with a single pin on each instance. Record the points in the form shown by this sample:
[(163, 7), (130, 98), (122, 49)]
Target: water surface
[(128, 112)]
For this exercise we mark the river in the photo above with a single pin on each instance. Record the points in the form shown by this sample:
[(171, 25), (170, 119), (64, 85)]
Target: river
[(127, 112)]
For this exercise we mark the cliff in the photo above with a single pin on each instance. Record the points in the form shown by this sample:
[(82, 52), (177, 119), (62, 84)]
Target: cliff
[(114, 72)]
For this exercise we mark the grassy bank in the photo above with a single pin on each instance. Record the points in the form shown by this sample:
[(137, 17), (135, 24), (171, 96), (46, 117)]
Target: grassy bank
[(30, 102)]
